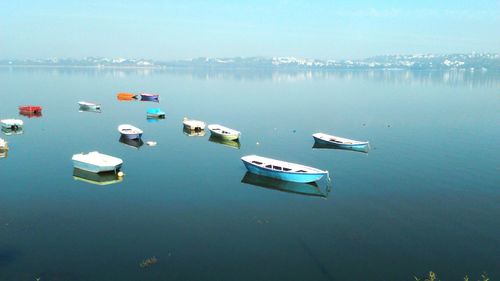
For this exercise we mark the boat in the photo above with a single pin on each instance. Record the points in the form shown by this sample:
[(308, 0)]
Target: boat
[(35, 109), (223, 132), (338, 141), (308, 189), (155, 113), (89, 106), (104, 178), (149, 97), (4, 145), (229, 143), (135, 143), (193, 133), (126, 96), (11, 124), (130, 131), (282, 170), (96, 162), (193, 125)]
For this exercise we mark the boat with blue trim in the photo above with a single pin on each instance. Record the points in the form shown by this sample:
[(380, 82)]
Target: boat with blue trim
[(282, 170), (129, 131), (155, 113), (338, 141)]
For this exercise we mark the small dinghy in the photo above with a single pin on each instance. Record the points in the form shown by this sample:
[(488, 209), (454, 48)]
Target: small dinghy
[(149, 97), (33, 109), (282, 170), (155, 113), (4, 145), (223, 132), (12, 124), (126, 96), (193, 125), (338, 141), (96, 162), (129, 131), (89, 106)]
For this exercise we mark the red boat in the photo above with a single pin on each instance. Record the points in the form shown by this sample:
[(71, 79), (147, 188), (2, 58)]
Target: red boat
[(30, 109)]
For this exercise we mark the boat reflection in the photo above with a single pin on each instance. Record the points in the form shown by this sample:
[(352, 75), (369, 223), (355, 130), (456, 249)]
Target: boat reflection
[(31, 114), (230, 143), (89, 109), (10, 132), (135, 143), (4, 153), (98, 179), (308, 189), (363, 149), (193, 133)]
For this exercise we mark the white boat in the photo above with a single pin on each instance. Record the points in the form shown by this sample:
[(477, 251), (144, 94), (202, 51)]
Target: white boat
[(96, 162), (89, 106), (12, 124), (193, 125), (3, 144), (130, 131), (338, 141), (223, 132)]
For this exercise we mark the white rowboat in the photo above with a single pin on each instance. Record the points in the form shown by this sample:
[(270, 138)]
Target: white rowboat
[(224, 132)]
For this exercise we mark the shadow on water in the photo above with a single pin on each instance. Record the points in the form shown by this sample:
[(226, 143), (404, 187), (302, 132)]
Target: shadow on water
[(134, 143), (306, 189), (229, 143), (104, 178), (362, 149)]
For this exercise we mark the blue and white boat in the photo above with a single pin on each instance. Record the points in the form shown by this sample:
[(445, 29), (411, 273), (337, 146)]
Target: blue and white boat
[(150, 97), (155, 113), (130, 132), (338, 141), (96, 162), (282, 170)]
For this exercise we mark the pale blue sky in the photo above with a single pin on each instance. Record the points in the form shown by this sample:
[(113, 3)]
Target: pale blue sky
[(186, 29)]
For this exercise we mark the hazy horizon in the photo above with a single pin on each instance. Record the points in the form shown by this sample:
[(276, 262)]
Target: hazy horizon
[(168, 30)]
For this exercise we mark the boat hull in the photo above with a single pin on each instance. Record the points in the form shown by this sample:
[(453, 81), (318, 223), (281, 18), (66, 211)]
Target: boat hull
[(95, 168), (286, 176), (232, 137), (131, 136), (150, 98)]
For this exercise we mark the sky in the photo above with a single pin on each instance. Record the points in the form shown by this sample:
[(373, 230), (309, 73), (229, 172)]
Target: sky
[(168, 30)]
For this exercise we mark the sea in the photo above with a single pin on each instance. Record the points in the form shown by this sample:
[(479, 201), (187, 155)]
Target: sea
[(424, 196)]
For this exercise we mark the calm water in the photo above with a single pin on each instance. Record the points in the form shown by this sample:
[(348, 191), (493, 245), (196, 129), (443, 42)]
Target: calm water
[(426, 197)]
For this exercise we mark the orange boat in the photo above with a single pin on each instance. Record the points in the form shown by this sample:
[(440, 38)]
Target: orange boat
[(126, 96)]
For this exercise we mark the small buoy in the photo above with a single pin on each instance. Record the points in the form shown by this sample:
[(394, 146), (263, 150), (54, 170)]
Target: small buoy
[(120, 174), (151, 143), (257, 143)]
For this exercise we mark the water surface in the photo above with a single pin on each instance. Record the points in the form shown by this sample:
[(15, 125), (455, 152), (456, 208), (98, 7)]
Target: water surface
[(424, 198)]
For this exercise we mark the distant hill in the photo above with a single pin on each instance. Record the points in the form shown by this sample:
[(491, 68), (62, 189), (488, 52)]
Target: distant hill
[(471, 62)]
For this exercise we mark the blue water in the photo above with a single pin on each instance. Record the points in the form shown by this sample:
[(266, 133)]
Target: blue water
[(425, 197)]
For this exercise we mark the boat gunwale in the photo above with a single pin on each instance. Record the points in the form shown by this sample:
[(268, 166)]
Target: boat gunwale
[(312, 170)]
